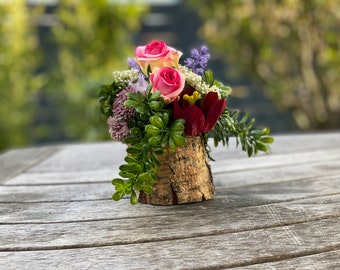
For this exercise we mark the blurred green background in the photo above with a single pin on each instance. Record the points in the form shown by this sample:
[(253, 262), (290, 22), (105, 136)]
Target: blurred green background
[(282, 59)]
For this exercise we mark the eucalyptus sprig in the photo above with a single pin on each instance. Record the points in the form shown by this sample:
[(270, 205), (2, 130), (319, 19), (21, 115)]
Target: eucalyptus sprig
[(235, 124), (153, 133)]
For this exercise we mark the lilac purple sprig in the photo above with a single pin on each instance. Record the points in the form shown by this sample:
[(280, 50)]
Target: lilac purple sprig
[(133, 64), (198, 60)]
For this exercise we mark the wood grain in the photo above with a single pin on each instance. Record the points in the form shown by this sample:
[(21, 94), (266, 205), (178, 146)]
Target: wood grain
[(149, 227), (16, 161), (227, 250), (278, 211)]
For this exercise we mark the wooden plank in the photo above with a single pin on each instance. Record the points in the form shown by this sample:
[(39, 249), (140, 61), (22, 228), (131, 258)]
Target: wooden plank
[(277, 160), (202, 252), (322, 185), (50, 193), (327, 260), (83, 158), (284, 173), (186, 224), (58, 212), (221, 173), (95, 162), (302, 141), (240, 174), (284, 144), (97, 176), (17, 161)]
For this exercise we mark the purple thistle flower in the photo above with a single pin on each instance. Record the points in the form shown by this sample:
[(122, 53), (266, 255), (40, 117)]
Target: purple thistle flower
[(198, 60), (118, 129), (119, 122), (119, 110)]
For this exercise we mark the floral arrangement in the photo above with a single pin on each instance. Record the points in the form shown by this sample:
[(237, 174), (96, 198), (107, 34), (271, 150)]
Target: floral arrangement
[(157, 103)]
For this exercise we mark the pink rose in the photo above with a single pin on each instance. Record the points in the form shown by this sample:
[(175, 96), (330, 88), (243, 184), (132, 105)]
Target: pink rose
[(156, 54), (169, 81)]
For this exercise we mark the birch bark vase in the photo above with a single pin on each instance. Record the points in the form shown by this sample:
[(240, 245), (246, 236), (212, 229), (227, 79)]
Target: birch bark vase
[(184, 176)]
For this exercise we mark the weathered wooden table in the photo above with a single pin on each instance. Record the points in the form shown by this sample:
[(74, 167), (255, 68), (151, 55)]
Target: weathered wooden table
[(278, 211)]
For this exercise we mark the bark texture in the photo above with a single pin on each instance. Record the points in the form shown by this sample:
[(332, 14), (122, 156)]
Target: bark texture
[(184, 176)]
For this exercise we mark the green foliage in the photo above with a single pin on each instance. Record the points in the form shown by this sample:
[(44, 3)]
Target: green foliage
[(19, 81), (152, 134), (93, 38), (107, 95), (233, 124), (87, 40), (208, 77), (290, 49)]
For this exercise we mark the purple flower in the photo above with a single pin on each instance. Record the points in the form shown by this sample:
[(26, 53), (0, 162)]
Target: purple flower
[(133, 64), (140, 85), (198, 60), (119, 122), (118, 129)]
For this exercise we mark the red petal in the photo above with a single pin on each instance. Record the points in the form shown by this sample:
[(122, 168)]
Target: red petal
[(194, 121), (214, 112), (178, 111), (208, 101)]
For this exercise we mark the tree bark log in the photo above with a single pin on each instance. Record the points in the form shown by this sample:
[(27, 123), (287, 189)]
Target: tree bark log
[(184, 176)]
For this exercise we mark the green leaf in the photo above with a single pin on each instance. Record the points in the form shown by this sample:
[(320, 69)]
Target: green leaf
[(118, 195), (249, 151), (267, 140), (156, 161), (148, 70), (131, 140), (145, 178), (144, 117), (178, 140), (239, 126), (135, 131), (208, 77), (125, 167), (165, 140), (126, 174), (118, 182), (165, 117), (133, 150), (178, 125), (172, 145), (130, 159), (158, 151), (131, 167), (155, 96), (146, 188), (262, 146), (155, 140), (155, 105), (152, 130), (157, 121), (131, 103), (133, 198)]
